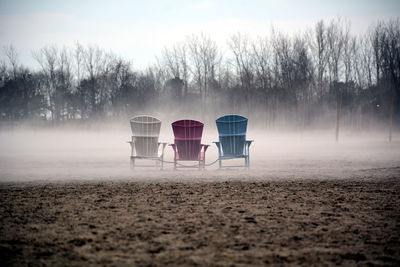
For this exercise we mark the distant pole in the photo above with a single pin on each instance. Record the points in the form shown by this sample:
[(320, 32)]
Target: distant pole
[(339, 107), (370, 117), (391, 119)]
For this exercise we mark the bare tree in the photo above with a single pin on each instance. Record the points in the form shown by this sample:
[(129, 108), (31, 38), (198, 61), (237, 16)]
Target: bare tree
[(205, 58), (240, 47), (262, 57), (64, 84), (47, 59), (349, 44), (390, 57), (12, 56), (78, 56), (94, 64), (175, 60), (336, 33), (319, 50), (3, 72), (376, 39)]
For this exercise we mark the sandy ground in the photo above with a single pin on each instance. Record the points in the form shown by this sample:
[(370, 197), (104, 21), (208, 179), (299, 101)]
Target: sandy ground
[(290, 222)]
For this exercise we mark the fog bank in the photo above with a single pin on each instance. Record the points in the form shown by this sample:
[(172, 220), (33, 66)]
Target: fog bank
[(61, 155)]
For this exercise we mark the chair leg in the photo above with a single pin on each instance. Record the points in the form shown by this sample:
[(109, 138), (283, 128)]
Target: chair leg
[(132, 163), (220, 163), (174, 164)]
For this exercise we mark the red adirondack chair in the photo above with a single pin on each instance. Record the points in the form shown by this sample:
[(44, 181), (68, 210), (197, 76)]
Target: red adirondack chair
[(187, 143)]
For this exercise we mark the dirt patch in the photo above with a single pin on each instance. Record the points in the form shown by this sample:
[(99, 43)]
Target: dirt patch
[(277, 222)]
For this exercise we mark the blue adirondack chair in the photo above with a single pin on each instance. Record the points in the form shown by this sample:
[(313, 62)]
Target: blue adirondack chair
[(232, 142)]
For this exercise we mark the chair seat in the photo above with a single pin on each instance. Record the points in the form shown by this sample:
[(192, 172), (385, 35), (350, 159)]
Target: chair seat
[(234, 157), (187, 138), (201, 157), (232, 134), (145, 157)]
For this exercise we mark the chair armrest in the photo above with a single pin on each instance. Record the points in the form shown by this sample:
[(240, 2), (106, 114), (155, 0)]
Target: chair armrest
[(164, 144), (218, 144), (132, 143), (247, 146), (205, 147), (173, 146), (248, 142)]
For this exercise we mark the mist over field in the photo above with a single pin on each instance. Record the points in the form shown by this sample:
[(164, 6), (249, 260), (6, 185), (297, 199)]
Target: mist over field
[(101, 153)]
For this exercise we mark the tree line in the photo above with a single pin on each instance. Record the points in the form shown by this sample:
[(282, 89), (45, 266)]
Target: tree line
[(276, 79)]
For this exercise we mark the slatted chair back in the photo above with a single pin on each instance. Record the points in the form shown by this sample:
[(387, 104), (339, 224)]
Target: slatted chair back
[(187, 139), (232, 134), (145, 133)]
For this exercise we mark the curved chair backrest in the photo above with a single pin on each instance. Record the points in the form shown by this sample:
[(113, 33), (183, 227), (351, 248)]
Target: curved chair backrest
[(145, 132), (232, 125), (188, 135), (145, 126), (232, 134)]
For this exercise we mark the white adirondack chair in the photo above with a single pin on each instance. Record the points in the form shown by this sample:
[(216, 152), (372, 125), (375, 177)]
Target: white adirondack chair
[(144, 142)]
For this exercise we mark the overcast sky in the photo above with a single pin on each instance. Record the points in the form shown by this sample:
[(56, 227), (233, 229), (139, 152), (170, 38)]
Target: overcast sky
[(138, 30)]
